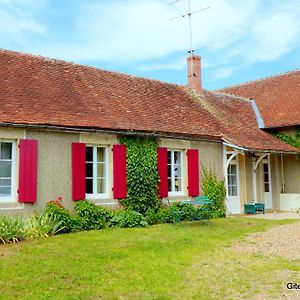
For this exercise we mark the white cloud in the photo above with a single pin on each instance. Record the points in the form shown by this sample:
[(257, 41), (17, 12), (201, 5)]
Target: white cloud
[(18, 21), (224, 72), (137, 32)]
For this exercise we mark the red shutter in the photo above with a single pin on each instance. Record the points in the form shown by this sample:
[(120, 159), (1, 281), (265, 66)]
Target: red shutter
[(78, 171), (162, 162), (193, 172), (119, 155), (28, 171)]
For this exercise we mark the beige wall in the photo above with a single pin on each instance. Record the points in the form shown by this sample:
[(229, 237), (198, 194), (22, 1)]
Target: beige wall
[(55, 170), (291, 169), (54, 166)]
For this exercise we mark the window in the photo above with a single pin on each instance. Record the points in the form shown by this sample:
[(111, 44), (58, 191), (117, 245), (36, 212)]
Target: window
[(96, 172), (266, 177), (175, 172), (7, 162), (232, 180)]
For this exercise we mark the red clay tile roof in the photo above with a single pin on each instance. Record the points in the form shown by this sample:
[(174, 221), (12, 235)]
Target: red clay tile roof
[(40, 91), (277, 97), (238, 122), (37, 90)]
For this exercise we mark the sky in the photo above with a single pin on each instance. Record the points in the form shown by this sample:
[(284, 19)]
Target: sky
[(238, 40)]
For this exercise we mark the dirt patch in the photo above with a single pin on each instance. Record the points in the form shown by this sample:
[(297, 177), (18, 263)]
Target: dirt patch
[(282, 240)]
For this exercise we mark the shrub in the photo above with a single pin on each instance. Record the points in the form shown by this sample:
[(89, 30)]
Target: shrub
[(142, 174), (12, 230), (156, 217), (177, 213), (61, 214), (92, 216), (215, 190), (44, 225), (128, 218)]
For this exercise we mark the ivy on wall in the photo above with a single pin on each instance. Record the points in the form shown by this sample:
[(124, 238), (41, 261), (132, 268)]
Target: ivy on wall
[(142, 174), (293, 140)]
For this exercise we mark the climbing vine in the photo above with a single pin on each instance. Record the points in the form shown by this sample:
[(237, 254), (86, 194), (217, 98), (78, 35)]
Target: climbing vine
[(142, 174), (293, 140)]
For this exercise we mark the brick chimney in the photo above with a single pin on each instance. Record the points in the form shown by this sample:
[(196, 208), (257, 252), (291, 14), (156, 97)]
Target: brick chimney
[(194, 73)]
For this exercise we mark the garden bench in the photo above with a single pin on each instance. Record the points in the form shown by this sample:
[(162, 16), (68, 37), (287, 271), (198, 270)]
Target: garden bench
[(252, 208), (199, 200)]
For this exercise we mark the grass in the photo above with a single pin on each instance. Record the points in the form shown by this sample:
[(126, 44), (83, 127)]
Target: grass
[(182, 261)]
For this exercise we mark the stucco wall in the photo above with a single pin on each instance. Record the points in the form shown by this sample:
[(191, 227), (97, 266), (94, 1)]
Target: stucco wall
[(54, 166), (291, 168), (210, 156)]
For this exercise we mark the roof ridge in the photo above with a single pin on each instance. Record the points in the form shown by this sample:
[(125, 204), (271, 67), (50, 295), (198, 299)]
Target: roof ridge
[(61, 61), (258, 80), (248, 100)]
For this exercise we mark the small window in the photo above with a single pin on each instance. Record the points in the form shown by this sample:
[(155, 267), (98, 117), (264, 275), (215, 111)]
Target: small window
[(96, 172), (232, 180), (7, 161), (266, 177), (175, 172)]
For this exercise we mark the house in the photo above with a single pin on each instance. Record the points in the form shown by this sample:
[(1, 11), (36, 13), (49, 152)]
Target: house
[(60, 125), (276, 103)]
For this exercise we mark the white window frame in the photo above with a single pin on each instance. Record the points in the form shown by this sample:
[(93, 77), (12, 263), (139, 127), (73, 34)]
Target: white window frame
[(233, 162), (95, 196), (13, 196), (173, 192)]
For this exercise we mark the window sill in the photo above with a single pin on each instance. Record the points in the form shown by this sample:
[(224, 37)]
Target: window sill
[(11, 205)]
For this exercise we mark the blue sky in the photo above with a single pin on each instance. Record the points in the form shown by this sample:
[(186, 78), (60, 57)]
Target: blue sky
[(238, 40)]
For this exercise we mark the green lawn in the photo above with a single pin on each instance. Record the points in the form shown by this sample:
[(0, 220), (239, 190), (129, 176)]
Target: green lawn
[(182, 261)]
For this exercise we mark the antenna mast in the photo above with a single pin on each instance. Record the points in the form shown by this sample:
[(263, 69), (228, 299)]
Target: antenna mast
[(189, 15)]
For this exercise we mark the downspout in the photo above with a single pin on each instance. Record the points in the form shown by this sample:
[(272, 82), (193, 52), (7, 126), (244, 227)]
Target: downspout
[(282, 175)]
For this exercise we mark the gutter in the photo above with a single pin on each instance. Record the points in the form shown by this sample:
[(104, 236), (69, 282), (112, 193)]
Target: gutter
[(226, 143), (109, 131)]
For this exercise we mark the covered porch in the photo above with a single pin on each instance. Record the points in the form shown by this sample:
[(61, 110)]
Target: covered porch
[(271, 178)]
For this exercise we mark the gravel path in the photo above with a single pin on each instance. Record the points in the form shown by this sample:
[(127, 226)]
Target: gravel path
[(282, 240)]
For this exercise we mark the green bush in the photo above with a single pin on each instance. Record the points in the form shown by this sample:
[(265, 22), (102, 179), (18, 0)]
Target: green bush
[(12, 230), (44, 225), (157, 217), (92, 216), (142, 174), (177, 213), (187, 212), (216, 191), (61, 214), (128, 218)]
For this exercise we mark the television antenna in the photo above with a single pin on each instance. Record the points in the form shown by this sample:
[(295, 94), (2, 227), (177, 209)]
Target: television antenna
[(189, 14)]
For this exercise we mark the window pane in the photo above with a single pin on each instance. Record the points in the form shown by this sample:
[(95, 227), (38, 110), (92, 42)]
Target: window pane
[(232, 169), (89, 169), (234, 190), (169, 157), (5, 168), (89, 153), (169, 185), (233, 180), (101, 186), (266, 168), (89, 186), (229, 180), (169, 171), (6, 150), (178, 185), (267, 188), (100, 170), (177, 157), (266, 177), (4, 191), (177, 171), (100, 155), (5, 182)]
